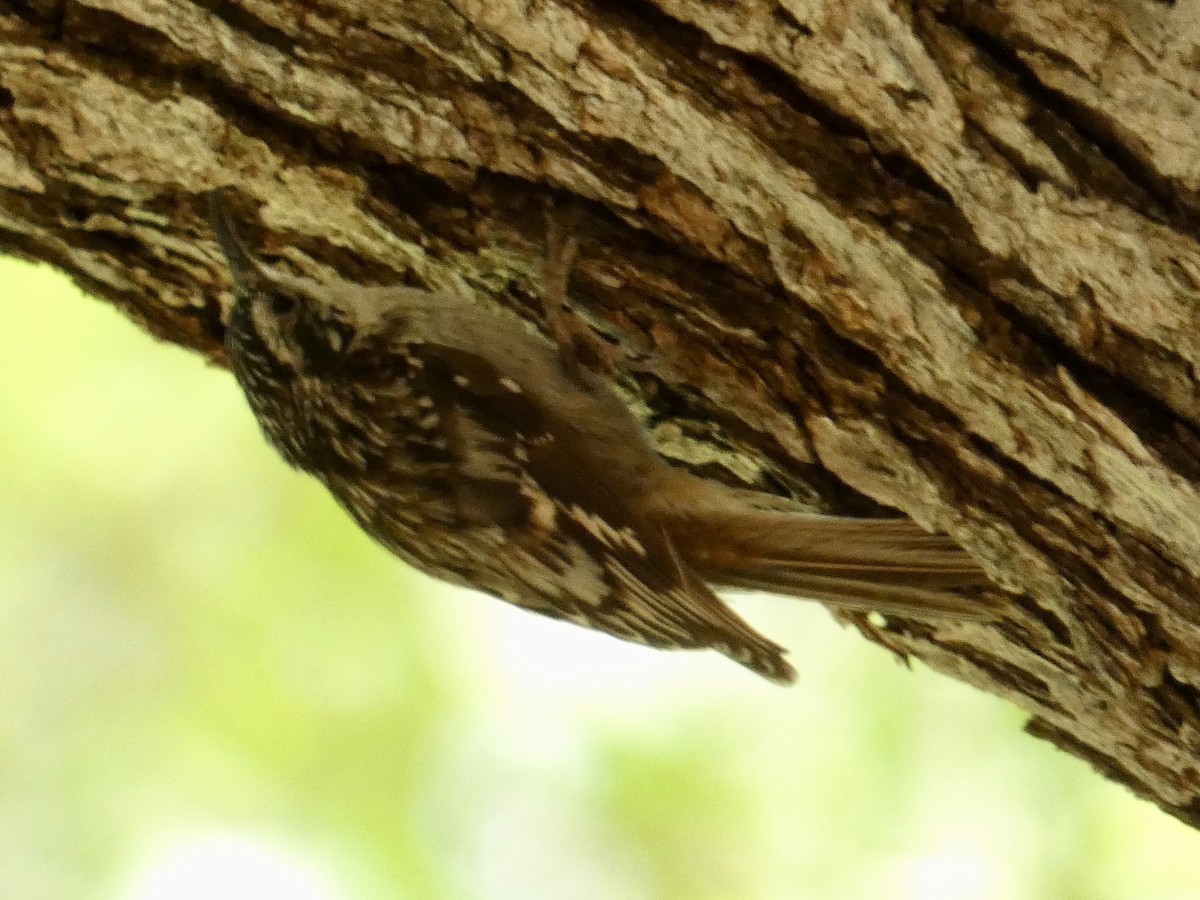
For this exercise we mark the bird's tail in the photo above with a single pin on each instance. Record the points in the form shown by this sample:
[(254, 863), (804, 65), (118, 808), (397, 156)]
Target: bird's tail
[(889, 565)]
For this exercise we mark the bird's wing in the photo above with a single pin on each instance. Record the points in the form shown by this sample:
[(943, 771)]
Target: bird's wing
[(577, 543)]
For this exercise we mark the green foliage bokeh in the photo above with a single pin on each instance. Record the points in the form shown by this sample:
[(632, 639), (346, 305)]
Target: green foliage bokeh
[(212, 685)]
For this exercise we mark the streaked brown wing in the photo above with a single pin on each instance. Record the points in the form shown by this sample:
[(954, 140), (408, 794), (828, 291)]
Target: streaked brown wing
[(519, 468)]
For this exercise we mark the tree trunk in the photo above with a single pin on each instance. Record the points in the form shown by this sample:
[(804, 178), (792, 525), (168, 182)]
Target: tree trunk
[(934, 256)]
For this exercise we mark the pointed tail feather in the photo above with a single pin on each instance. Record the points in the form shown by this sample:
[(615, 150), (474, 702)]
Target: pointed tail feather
[(882, 596), (889, 565)]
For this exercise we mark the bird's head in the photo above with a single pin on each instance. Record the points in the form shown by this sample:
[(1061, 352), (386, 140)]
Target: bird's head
[(289, 324)]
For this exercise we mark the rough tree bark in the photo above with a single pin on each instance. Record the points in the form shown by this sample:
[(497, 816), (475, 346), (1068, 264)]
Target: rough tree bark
[(938, 256)]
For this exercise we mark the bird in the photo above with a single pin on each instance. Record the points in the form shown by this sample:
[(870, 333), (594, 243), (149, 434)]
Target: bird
[(490, 455)]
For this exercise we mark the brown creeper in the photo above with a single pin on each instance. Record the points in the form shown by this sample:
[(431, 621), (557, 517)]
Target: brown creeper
[(488, 456)]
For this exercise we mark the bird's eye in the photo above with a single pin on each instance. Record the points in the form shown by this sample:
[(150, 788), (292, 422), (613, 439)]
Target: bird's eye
[(282, 305)]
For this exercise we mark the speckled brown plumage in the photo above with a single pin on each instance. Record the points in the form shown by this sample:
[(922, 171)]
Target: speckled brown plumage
[(487, 456)]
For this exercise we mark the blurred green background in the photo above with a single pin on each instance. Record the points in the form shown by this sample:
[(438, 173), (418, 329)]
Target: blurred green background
[(211, 685)]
